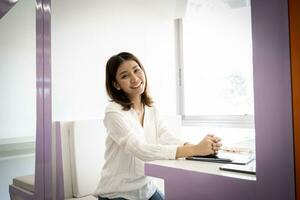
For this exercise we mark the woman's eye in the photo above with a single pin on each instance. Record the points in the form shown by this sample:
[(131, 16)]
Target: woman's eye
[(125, 76), (136, 70)]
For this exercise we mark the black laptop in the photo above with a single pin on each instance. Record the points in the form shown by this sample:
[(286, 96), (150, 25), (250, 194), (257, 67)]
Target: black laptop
[(226, 157)]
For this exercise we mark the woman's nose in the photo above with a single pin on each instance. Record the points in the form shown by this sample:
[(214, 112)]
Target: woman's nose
[(134, 78)]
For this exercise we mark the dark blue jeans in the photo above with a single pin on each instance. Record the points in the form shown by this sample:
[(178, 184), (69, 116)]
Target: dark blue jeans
[(156, 196)]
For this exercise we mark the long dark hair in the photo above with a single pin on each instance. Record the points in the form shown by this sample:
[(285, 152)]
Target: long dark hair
[(119, 96)]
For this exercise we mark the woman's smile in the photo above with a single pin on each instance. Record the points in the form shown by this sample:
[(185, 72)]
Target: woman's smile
[(137, 86)]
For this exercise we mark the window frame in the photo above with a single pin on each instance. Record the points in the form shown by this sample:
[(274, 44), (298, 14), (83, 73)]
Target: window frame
[(235, 121)]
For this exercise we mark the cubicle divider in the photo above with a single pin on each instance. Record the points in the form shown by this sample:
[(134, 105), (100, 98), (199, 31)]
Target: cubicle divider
[(275, 177), (43, 159), (272, 100)]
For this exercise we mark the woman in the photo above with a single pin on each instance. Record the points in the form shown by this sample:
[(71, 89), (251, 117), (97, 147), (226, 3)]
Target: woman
[(136, 134)]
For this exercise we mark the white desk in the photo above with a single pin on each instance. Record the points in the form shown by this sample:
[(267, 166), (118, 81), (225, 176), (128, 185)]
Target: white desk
[(187, 179), (194, 180), (203, 167)]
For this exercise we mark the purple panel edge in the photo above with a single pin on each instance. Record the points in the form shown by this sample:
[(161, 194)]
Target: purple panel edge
[(43, 175), (43, 171), (5, 6), (272, 96), (60, 195), (39, 153), (47, 99)]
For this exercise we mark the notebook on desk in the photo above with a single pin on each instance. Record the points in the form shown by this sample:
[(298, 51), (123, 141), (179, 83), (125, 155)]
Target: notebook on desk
[(225, 157), (248, 169)]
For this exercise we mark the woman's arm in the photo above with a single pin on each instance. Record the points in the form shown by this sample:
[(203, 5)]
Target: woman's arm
[(209, 145), (122, 133), (131, 140)]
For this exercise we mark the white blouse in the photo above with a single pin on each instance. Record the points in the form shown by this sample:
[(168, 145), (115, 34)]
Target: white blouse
[(128, 146)]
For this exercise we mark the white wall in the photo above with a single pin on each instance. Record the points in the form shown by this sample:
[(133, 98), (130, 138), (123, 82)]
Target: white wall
[(86, 34), (14, 167), (17, 71)]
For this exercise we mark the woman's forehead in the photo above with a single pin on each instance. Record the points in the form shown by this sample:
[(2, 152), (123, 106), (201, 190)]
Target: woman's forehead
[(127, 65)]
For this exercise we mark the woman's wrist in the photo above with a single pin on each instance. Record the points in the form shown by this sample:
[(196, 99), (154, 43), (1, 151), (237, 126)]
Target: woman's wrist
[(187, 144), (193, 150), (185, 151)]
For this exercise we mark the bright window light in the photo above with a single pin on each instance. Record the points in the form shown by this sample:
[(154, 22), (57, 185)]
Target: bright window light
[(217, 59)]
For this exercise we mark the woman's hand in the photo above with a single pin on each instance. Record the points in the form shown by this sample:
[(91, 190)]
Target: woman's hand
[(208, 145)]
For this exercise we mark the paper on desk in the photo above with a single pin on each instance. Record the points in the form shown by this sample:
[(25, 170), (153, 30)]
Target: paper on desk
[(237, 149)]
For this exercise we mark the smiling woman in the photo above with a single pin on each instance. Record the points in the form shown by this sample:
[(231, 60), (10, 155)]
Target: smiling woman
[(85, 34), (136, 134)]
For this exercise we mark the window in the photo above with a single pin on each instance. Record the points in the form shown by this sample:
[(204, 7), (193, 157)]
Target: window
[(215, 63)]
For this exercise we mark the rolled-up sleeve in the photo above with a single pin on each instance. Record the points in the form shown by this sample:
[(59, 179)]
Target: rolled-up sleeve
[(128, 138)]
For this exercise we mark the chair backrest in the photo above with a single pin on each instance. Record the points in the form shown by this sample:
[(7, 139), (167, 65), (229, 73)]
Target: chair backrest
[(83, 146), (82, 152)]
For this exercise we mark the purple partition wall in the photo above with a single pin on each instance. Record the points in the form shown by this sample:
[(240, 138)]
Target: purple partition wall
[(47, 100), (43, 172), (272, 94), (273, 121), (39, 152), (43, 175), (273, 113)]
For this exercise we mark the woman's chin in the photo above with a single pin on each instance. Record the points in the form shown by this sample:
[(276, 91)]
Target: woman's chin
[(136, 92)]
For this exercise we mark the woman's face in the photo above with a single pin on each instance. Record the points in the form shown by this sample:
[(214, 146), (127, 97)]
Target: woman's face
[(130, 78)]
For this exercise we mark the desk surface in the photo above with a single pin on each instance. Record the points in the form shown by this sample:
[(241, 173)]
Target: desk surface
[(187, 179), (203, 167)]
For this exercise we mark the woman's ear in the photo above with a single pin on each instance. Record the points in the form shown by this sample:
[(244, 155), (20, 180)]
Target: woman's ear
[(116, 85)]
